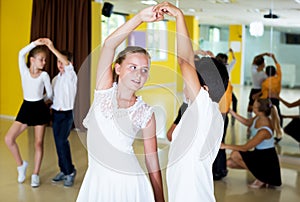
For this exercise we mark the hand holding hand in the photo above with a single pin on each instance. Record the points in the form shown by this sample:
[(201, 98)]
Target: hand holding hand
[(149, 15), (167, 8), (39, 42), (48, 42)]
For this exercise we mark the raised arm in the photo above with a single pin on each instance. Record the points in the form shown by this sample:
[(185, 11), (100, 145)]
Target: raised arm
[(232, 63), (22, 62), (273, 57), (185, 53), (104, 70), (59, 56), (259, 56), (232, 53)]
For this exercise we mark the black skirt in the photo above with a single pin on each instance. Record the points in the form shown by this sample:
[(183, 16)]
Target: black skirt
[(34, 113), (264, 165)]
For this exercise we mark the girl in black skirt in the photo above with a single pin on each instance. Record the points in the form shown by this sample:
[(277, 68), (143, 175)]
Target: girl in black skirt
[(263, 161), (34, 111)]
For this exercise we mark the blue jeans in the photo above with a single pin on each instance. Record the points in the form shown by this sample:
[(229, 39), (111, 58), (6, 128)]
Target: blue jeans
[(62, 124)]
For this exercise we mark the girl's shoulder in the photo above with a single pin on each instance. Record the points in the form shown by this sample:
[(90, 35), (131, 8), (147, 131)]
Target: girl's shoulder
[(263, 121), (44, 74), (140, 113)]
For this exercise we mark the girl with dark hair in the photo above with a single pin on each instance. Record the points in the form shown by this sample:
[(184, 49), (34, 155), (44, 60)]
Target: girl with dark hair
[(34, 111)]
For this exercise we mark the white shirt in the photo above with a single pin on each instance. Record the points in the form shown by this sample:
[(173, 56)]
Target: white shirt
[(194, 147), (33, 88), (64, 87), (257, 77), (230, 66)]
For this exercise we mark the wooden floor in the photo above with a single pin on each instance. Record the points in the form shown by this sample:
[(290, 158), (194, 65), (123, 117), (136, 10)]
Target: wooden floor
[(232, 188)]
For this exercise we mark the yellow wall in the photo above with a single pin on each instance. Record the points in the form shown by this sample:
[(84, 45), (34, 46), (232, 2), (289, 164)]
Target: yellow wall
[(168, 72), (96, 42), (236, 35), (15, 20), (15, 23), (15, 35), (163, 79)]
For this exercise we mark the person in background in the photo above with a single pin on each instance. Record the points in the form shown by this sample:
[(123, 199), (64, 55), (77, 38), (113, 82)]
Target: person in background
[(271, 87), (224, 59), (34, 111), (263, 161), (64, 92), (258, 76), (219, 166)]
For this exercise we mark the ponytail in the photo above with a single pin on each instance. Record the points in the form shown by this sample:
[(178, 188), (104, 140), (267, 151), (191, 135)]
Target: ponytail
[(276, 121)]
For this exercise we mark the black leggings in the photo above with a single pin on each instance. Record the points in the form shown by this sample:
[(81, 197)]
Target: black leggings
[(234, 102)]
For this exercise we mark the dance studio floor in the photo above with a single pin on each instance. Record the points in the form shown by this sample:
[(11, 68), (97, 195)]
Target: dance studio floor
[(232, 188)]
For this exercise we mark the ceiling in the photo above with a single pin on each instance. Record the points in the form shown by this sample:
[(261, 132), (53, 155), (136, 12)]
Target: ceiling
[(224, 12)]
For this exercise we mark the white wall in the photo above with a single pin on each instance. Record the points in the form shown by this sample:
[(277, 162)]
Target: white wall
[(271, 41)]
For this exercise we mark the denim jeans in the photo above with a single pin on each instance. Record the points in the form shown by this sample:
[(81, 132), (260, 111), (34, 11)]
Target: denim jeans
[(62, 124)]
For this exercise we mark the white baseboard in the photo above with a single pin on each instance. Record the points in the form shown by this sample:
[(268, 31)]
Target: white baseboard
[(7, 117)]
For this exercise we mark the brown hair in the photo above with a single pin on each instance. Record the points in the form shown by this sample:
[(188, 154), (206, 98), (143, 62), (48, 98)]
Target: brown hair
[(266, 106), (122, 56), (34, 52)]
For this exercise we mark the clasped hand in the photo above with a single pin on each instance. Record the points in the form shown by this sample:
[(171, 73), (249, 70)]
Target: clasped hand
[(156, 13)]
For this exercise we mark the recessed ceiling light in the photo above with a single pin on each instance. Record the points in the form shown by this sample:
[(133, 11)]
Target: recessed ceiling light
[(256, 29), (297, 1), (149, 2), (223, 1)]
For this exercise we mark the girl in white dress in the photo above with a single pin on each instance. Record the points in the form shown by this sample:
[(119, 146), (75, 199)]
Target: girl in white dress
[(113, 121), (197, 137)]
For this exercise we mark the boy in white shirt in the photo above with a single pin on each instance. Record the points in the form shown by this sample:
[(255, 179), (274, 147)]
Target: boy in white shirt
[(64, 91)]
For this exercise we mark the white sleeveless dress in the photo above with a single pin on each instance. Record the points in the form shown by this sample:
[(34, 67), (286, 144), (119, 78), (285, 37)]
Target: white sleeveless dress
[(114, 173)]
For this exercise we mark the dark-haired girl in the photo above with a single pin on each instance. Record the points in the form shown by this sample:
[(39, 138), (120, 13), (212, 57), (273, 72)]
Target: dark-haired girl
[(33, 112)]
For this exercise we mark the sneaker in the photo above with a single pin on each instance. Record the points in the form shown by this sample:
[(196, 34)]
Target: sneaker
[(59, 177), (69, 179), (22, 172), (35, 180)]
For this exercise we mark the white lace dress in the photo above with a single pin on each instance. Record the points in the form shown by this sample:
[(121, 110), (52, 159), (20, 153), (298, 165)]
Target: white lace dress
[(114, 173)]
